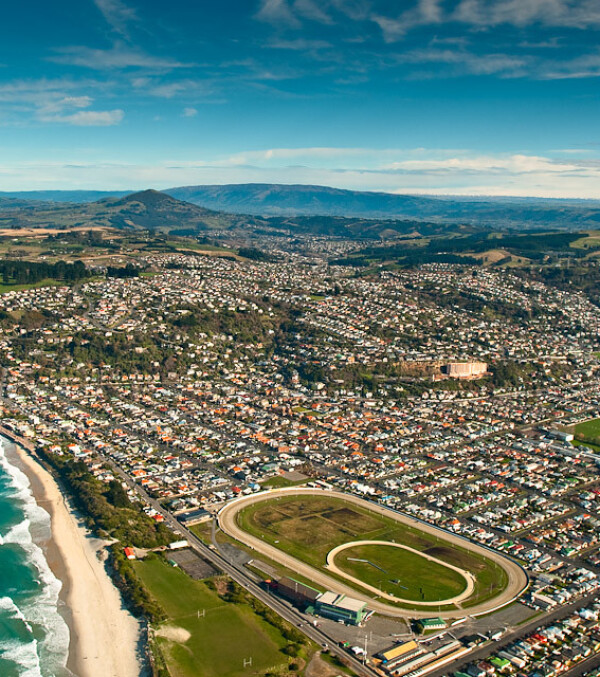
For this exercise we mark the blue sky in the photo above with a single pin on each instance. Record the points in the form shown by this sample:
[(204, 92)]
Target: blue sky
[(496, 97)]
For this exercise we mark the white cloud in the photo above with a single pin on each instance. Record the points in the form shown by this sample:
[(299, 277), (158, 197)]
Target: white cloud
[(513, 164), (299, 44), (468, 62), (309, 9), (88, 118), (425, 13), (25, 101), (580, 14), (358, 10), (295, 155), (117, 14), (568, 13), (278, 13), (167, 90), (36, 91), (190, 112), (58, 105), (427, 171), (587, 66), (119, 56)]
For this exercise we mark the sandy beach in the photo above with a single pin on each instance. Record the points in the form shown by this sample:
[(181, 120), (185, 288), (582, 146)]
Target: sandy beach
[(104, 635)]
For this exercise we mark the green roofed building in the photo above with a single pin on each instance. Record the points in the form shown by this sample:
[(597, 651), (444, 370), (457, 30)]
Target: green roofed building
[(500, 663), (341, 608), (425, 624)]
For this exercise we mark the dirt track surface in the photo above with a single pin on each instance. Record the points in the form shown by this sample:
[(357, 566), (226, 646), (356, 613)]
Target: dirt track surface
[(517, 578)]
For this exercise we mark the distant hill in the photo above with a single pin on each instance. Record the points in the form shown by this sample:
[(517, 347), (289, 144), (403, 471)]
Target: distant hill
[(153, 210), (76, 196), (285, 209), (147, 210), (294, 200)]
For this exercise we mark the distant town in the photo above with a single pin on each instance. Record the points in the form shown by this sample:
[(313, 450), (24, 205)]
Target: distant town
[(460, 403)]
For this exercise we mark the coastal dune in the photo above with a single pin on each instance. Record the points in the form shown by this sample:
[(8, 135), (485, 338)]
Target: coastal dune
[(104, 635)]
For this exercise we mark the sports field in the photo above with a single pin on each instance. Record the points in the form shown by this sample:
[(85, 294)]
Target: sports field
[(216, 642), (401, 573), (308, 527), (590, 430)]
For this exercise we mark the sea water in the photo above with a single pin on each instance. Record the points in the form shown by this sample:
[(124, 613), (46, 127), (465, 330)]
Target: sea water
[(34, 637)]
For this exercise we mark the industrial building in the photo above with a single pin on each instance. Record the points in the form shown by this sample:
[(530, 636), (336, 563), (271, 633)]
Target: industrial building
[(341, 608), (192, 517), (465, 369), (294, 591), (399, 653), (411, 659)]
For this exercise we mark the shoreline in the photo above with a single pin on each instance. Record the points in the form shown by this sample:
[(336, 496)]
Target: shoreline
[(104, 636)]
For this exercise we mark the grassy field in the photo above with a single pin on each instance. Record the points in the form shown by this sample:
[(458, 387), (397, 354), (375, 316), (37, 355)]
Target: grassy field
[(279, 482), (592, 240), (401, 573), (591, 445), (202, 530), (588, 429), (23, 287), (219, 640), (308, 527)]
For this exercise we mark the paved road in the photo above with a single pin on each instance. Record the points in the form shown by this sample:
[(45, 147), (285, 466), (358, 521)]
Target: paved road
[(227, 521), (584, 667)]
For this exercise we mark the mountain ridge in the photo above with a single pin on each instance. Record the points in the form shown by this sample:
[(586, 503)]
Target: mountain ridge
[(261, 200), (306, 200), (157, 211)]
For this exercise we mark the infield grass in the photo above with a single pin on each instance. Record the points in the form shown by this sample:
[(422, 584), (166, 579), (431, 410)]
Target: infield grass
[(279, 481), (401, 573)]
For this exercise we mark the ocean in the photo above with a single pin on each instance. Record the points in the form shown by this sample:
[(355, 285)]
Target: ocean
[(34, 637)]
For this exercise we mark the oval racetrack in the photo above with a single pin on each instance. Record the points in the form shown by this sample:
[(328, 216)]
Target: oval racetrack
[(517, 578)]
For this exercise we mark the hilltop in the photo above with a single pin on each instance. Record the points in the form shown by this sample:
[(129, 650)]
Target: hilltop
[(153, 210), (145, 210)]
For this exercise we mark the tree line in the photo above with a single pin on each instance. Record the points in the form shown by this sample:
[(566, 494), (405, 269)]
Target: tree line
[(31, 272)]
